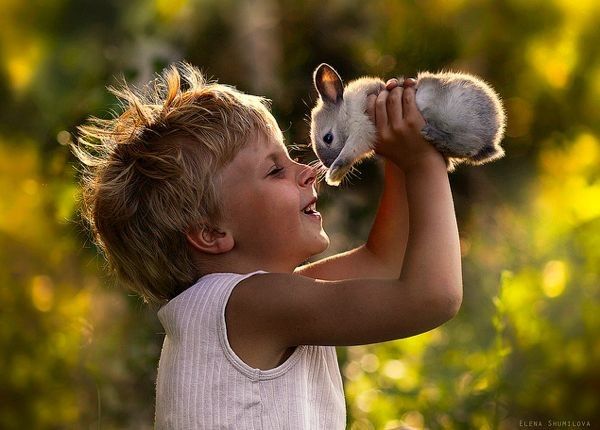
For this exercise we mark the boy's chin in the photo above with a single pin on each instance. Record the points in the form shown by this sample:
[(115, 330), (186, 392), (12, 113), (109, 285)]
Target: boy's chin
[(324, 243), (317, 245)]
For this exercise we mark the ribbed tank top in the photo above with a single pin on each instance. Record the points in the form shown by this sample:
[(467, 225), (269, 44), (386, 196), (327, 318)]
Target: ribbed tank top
[(203, 384)]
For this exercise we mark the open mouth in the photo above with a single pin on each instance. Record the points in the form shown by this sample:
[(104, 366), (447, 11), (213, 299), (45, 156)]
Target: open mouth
[(311, 209)]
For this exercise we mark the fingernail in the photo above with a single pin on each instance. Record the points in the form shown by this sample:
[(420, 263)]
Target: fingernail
[(391, 84)]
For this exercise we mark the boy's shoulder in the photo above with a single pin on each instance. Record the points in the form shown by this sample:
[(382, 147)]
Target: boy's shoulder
[(251, 343)]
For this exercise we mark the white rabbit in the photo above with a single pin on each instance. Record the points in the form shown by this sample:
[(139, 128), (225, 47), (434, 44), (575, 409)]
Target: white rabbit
[(464, 115)]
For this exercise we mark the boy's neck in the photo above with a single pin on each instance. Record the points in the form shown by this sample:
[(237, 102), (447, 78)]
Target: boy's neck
[(237, 264)]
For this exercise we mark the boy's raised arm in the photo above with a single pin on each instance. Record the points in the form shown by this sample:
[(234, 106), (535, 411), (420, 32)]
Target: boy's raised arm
[(433, 247), (294, 310), (383, 253)]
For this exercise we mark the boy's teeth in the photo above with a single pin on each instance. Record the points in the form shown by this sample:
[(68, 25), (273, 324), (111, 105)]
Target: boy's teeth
[(310, 208)]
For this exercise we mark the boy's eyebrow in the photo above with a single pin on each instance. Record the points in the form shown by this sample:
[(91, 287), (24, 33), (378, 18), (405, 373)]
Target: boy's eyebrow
[(272, 156), (275, 155), (269, 157)]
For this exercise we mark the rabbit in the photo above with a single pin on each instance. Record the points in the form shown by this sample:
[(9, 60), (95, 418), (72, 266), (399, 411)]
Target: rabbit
[(465, 119)]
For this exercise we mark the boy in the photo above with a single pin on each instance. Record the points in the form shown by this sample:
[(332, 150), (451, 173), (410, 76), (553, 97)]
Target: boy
[(193, 199)]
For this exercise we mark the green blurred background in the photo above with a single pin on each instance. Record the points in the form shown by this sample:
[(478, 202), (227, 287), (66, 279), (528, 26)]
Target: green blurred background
[(78, 352)]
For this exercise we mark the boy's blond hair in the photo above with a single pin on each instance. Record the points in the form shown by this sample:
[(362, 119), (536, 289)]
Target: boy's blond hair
[(150, 173)]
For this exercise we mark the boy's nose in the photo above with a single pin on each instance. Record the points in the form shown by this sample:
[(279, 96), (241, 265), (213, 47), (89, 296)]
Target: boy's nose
[(308, 175)]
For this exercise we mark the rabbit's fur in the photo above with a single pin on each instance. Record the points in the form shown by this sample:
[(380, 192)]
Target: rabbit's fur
[(464, 115)]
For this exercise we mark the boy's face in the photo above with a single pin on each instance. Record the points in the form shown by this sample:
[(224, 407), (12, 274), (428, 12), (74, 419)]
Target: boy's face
[(266, 205)]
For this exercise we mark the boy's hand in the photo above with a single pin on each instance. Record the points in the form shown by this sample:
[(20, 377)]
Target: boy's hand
[(399, 122)]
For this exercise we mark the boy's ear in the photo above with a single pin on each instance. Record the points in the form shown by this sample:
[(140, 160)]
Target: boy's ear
[(210, 240), (329, 84)]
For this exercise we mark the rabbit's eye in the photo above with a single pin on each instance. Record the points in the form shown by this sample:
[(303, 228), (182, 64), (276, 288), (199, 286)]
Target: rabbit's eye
[(328, 138)]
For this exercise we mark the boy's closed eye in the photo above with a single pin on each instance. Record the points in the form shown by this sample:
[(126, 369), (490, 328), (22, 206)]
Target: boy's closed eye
[(279, 168), (275, 171)]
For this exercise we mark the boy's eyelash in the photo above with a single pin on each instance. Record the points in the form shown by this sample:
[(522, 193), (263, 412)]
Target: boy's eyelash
[(279, 169), (275, 171)]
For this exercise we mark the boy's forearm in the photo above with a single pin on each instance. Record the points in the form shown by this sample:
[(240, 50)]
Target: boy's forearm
[(389, 233), (381, 256), (432, 258)]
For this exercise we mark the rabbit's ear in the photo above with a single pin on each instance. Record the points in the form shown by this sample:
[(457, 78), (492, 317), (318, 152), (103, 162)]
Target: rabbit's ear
[(329, 84)]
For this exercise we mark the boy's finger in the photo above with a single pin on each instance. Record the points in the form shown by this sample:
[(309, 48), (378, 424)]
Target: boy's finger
[(370, 111), (394, 107), (392, 83), (410, 82), (410, 106), (381, 118)]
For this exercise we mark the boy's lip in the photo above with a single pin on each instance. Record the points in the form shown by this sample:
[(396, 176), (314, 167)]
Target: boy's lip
[(311, 202)]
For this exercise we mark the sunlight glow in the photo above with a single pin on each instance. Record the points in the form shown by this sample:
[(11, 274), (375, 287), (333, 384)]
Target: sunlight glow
[(554, 278), (369, 363), (22, 64), (365, 400), (169, 9), (394, 369), (414, 419), (569, 190), (554, 58), (42, 293)]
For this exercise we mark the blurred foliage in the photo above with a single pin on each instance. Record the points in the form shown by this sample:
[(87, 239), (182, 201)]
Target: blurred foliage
[(77, 352)]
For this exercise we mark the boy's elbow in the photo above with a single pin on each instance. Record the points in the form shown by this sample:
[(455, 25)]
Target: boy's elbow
[(444, 303), (450, 302), (439, 308)]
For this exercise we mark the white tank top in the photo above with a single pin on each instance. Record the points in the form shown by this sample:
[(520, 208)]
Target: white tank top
[(203, 384)]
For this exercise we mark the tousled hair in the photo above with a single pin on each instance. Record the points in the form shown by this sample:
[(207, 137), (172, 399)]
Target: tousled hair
[(150, 174)]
